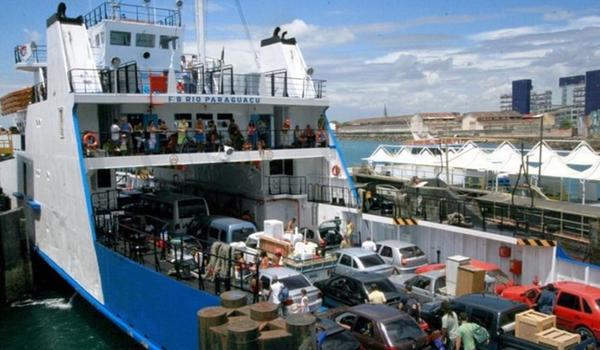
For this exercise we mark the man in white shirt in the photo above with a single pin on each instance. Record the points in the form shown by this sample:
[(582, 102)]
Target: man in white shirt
[(115, 132), (276, 287), (369, 245)]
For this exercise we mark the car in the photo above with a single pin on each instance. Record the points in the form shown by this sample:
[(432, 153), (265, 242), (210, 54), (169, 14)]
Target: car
[(220, 228), (354, 288), (381, 327), (426, 287), (495, 279), (335, 337), (405, 256), (577, 305), (295, 282), (328, 236), (358, 259)]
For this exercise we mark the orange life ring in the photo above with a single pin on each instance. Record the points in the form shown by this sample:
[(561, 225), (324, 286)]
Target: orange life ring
[(23, 50), (335, 170), (90, 140)]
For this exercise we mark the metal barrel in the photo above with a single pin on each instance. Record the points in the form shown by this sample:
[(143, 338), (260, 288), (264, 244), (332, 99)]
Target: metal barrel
[(234, 299), (302, 329), (207, 318), (242, 334), (264, 311)]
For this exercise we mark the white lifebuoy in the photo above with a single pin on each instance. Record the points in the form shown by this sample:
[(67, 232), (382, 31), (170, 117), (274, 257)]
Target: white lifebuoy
[(335, 170)]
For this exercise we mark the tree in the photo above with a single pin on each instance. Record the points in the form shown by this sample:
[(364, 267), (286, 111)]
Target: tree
[(566, 123)]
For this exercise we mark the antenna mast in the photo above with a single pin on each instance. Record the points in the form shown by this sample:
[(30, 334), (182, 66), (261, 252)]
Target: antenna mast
[(201, 30)]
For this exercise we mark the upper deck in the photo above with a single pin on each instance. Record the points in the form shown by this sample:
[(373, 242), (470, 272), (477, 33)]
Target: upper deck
[(115, 11)]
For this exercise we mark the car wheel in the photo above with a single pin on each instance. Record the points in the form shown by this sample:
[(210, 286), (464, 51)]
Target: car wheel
[(584, 332)]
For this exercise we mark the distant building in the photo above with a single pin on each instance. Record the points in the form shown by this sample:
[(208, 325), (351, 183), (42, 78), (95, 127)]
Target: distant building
[(541, 101), (506, 102), (592, 91), (521, 96), (492, 121), (567, 86), (435, 123)]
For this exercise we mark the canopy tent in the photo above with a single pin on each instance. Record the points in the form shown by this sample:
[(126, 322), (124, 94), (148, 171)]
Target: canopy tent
[(556, 167), (380, 155), (581, 156), (473, 158), (534, 153), (505, 158)]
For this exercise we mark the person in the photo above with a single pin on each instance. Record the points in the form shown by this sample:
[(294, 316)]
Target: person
[(449, 325), (274, 291), (240, 265), (410, 304), (369, 245), (138, 135), (126, 131), (182, 127), (252, 134), (152, 138), (310, 136), (264, 260), (185, 74), (291, 225), (297, 137), (376, 296), (200, 138), (256, 288), (262, 130), (246, 216), (285, 130), (115, 133), (547, 299), (277, 259), (162, 135), (304, 305), (321, 138), (349, 229), (321, 336), (345, 243), (164, 238), (465, 334)]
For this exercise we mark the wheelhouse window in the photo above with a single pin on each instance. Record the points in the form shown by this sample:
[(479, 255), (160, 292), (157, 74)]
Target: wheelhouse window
[(144, 40), (120, 38), (166, 39)]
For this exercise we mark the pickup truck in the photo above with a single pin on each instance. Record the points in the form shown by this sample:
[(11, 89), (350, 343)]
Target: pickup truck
[(497, 315)]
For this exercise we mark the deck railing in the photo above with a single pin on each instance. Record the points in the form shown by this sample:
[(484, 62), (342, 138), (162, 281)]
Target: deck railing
[(128, 79), (30, 53), (132, 13), (285, 184)]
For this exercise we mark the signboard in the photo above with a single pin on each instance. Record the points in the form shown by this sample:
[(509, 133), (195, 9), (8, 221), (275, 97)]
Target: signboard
[(213, 99)]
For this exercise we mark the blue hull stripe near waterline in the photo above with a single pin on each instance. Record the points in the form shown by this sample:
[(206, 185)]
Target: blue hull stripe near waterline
[(96, 304), (84, 179)]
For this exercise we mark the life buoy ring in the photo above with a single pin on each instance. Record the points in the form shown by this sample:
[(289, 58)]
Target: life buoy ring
[(90, 140), (23, 50), (335, 170)]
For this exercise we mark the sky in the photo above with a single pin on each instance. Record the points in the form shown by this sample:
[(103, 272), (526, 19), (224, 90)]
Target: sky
[(410, 56)]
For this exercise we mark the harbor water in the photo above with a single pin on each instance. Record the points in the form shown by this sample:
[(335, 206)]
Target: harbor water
[(56, 318)]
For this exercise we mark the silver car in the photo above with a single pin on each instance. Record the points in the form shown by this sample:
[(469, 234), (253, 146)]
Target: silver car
[(426, 287), (405, 256), (295, 282), (358, 259)]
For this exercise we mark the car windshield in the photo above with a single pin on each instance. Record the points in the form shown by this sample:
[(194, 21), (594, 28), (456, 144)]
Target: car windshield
[(501, 277), (402, 329), (371, 260), (295, 282), (598, 302), (241, 234), (384, 285), (411, 252), (340, 340), (190, 207)]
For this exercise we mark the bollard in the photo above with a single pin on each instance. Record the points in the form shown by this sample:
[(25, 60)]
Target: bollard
[(302, 329), (242, 334), (274, 339), (264, 311), (207, 318), (234, 299)]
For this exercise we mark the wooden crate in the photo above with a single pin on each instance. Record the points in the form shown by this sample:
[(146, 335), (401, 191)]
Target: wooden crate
[(470, 280), (558, 339), (529, 323), (272, 245)]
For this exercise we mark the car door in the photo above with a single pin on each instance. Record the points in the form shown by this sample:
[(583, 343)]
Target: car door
[(356, 295), (335, 292), (365, 330), (387, 254), (344, 265), (421, 287), (567, 310)]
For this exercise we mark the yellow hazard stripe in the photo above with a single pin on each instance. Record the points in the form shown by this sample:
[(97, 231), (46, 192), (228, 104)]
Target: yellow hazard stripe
[(536, 242), (405, 222)]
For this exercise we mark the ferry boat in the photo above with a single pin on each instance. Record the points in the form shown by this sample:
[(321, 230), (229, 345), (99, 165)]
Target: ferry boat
[(121, 120)]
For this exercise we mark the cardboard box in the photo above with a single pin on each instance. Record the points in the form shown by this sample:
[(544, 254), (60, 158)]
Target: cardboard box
[(529, 323), (274, 228), (470, 280), (558, 339)]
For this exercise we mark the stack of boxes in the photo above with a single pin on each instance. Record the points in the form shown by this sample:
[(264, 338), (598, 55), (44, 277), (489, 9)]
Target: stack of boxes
[(540, 328)]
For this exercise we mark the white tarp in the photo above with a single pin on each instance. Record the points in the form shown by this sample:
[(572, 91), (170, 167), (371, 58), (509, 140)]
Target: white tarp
[(534, 154), (556, 167), (583, 154)]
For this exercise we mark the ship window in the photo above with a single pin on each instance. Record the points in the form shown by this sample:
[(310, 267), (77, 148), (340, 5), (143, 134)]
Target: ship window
[(165, 39), (144, 40), (103, 178), (184, 116), (97, 38), (120, 38), (282, 167), (204, 116)]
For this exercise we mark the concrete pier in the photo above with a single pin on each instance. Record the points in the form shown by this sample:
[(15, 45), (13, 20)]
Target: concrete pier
[(16, 276)]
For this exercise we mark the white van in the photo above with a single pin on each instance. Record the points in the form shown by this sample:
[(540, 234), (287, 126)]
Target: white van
[(174, 208)]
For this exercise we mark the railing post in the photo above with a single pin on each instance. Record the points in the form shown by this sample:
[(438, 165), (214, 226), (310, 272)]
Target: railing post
[(231, 82), (285, 84), (272, 84)]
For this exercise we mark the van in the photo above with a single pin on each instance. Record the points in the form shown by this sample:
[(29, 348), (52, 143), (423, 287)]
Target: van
[(221, 228), (174, 208)]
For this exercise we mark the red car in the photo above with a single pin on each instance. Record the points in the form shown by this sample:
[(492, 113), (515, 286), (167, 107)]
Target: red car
[(491, 271), (577, 305)]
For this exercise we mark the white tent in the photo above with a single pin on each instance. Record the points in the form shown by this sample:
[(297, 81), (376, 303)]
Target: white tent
[(556, 167), (534, 154), (380, 155), (473, 158), (582, 155)]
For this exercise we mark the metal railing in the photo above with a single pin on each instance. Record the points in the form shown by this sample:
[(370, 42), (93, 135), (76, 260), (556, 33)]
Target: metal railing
[(167, 141), (133, 13), (335, 195), (284, 184), (30, 53), (39, 93), (194, 81)]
